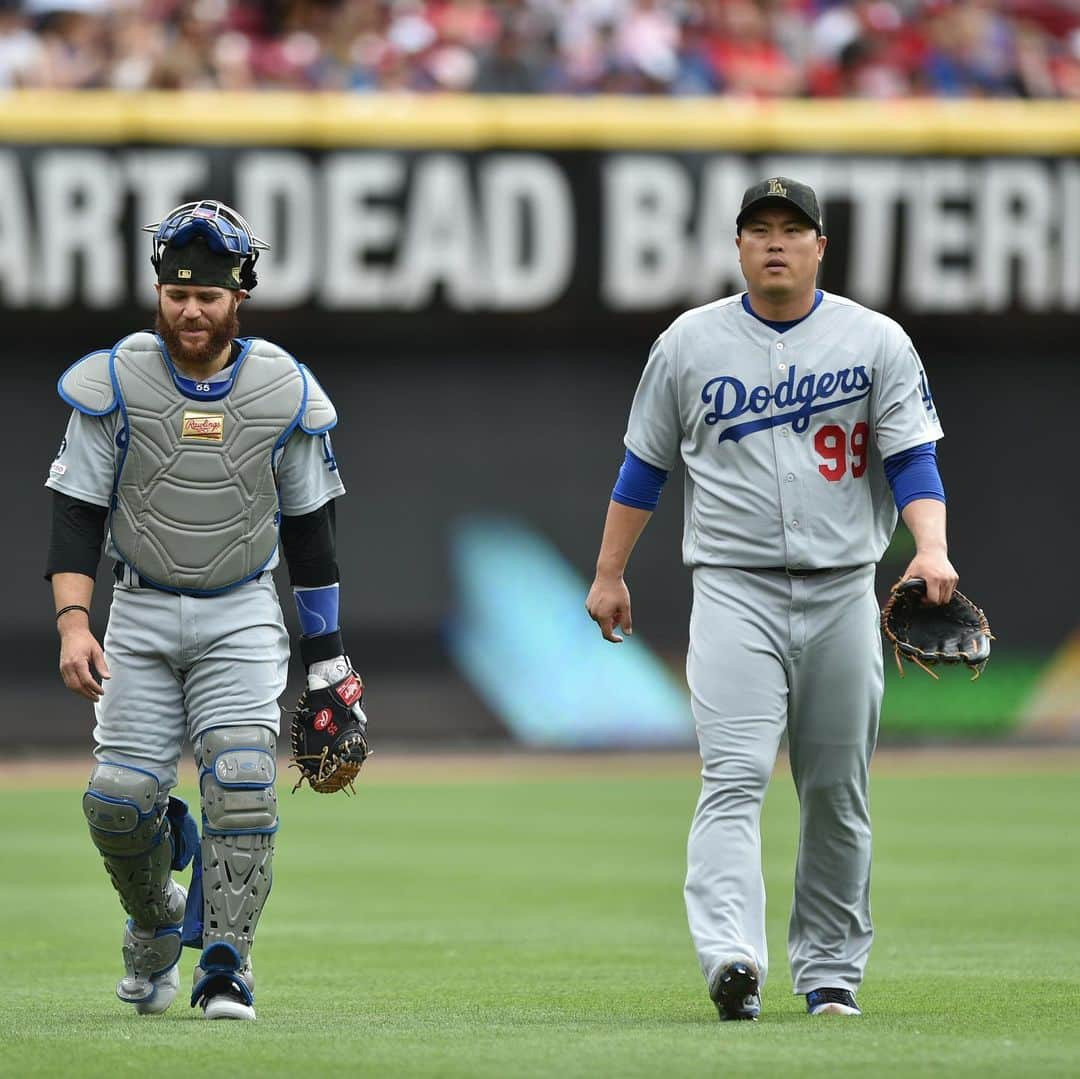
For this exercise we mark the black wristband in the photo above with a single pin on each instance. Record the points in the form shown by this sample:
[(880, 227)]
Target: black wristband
[(325, 646), (74, 607)]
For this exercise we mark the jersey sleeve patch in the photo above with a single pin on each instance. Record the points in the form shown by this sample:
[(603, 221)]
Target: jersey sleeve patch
[(319, 415), (87, 385)]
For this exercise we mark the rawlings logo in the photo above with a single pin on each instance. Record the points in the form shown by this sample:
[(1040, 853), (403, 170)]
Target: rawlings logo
[(350, 690), (203, 426), (323, 719), (799, 398)]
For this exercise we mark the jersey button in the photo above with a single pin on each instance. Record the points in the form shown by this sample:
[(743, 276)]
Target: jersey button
[(794, 524), (782, 366), (790, 476), (780, 345)]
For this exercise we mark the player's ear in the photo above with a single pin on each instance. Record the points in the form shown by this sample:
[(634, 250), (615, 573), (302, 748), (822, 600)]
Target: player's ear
[(822, 241), (241, 295)]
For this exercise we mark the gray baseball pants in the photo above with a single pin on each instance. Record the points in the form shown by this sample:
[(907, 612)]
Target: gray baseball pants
[(183, 664), (772, 654)]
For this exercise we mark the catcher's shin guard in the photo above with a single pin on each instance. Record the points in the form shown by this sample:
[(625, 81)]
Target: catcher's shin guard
[(134, 831), (151, 977), (237, 769)]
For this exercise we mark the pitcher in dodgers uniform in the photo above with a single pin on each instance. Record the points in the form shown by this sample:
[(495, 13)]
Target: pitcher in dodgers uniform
[(198, 450), (804, 421)]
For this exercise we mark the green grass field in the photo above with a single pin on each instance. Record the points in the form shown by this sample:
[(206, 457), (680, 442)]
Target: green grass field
[(535, 928), (956, 707)]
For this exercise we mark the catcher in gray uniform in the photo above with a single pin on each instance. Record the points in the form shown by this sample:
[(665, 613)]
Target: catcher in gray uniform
[(804, 422), (195, 451)]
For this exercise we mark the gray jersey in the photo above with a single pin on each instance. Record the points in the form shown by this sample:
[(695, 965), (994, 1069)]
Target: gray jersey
[(305, 468), (783, 434)]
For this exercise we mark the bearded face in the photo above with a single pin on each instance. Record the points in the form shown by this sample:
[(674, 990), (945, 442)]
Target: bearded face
[(196, 324)]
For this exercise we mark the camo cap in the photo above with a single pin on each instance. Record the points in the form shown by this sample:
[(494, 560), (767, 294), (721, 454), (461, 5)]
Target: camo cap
[(781, 189)]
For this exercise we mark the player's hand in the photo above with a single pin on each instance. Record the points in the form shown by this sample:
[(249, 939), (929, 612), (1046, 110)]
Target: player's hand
[(328, 672), (608, 604), (938, 573), (80, 657)]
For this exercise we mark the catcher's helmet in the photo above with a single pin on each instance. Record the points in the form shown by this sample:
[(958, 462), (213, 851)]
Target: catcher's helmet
[(223, 229)]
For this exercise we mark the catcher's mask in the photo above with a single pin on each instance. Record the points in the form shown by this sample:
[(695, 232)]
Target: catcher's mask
[(223, 231)]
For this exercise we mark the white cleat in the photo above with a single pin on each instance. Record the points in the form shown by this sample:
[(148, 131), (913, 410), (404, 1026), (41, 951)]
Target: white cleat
[(227, 1006), (832, 1002), (224, 993), (165, 988), (834, 1009)]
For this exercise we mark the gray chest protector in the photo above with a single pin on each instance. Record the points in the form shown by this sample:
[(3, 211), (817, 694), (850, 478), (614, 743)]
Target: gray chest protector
[(195, 504)]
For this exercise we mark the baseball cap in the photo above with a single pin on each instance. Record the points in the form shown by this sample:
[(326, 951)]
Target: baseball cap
[(781, 189), (196, 263)]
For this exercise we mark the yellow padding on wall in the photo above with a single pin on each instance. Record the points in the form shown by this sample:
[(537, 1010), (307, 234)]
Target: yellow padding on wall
[(466, 122)]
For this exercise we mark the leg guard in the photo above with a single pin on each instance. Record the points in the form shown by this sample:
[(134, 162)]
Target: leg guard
[(237, 769), (151, 976), (130, 825)]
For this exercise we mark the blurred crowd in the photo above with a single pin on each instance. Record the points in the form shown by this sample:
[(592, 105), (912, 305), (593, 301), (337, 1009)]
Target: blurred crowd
[(742, 48)]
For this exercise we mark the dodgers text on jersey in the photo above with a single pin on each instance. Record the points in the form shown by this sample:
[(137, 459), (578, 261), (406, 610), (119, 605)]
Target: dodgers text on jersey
[(798, 398)]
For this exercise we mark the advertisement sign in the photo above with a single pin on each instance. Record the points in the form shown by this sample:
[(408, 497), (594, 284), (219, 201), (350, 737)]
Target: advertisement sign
[(557, 248)]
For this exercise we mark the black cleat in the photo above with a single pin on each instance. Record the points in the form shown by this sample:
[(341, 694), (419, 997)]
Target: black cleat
[(735, 993), (832, 1002)]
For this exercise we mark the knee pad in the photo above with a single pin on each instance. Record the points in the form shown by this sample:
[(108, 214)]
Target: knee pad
[(237, 769), (123, 809), (129, 827)]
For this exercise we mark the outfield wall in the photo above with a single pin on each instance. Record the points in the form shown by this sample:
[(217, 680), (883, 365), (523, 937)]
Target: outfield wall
[(477, 282)]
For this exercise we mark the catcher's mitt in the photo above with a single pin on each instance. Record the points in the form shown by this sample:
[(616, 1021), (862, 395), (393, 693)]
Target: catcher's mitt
[(953, 632), (328, 742)]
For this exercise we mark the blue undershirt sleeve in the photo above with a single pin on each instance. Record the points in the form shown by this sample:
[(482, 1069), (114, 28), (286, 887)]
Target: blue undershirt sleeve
[(914, 474), (639, 483)]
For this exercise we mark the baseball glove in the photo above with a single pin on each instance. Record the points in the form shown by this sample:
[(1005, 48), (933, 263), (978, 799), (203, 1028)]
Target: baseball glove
[(328, 742), (926, 635)]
